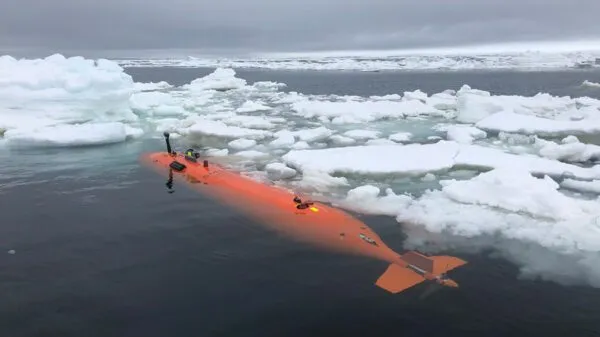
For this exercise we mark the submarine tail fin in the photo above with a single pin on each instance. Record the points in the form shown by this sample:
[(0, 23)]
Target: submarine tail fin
[(443, 264), (396, 279), (435, 265)]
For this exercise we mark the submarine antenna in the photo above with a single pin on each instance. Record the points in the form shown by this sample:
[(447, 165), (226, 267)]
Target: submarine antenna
[(166, 134)]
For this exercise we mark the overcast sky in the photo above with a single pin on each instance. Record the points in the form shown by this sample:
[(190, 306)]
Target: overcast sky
[(287, 25)]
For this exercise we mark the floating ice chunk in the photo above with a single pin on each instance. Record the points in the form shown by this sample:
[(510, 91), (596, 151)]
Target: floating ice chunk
[(57, 78), (372, 142), (546, 217), (489, 158), (320, 181), (417, 159), (290, 98), (475, 105), (241, 144), (375, 60), (251, 106), (148, 100), (400, 137), (428, 177), (255, 122), (283, 139), (151, 86), (132, 132), (502, 188), (217, 152), (268, 86), (342, 140), (507, 121), (252, 154), (221, 79), (360, 112), (442, 101), (219, 129), (464, 134), (415, 95), (279, 171), (301, 145), (362, 134), (71, 135), (313, 135), (367, 199), (584, 186), (587, 83), (392, 97), (58, 90), (571, 150)]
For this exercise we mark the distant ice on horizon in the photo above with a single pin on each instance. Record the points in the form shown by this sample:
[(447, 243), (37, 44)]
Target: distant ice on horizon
[(534, 55)]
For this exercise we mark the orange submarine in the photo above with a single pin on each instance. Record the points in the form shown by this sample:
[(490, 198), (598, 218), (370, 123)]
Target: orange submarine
[(307, 221)]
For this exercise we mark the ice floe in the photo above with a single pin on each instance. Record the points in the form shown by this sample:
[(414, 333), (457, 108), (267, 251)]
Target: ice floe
[(39, 97), (418, 159), (525, 58)]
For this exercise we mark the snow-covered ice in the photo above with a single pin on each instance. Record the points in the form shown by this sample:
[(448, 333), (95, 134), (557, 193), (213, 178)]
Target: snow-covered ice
[(590, 84), (72, 135), (464, 134), (526, 58), (42, 96), (418, 159)]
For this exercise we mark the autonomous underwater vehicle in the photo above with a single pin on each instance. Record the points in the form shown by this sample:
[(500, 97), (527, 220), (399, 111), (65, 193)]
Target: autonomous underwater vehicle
[(312, 222)]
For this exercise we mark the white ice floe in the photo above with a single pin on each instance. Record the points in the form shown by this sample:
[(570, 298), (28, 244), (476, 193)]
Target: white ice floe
[(205, 127), (41, 95), (508, 121), (156, 104), (590, 84), (526, 57), (464, 134), (570, 150), (314, 134), (301, 145), (254, 122), (415, 95), (362, 134), (241, 144), (220, 79), (152, 86), (360, 112), (583, 186), (417, 159), (510, 202), (507, 204), (340, 140), (253, 154), (72, 135), (283, 139), (380, 141), (251, 106), (278, 171), (400, 137)]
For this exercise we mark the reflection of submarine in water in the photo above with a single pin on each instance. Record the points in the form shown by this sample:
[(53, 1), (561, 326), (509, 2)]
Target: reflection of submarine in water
[(310, 222)]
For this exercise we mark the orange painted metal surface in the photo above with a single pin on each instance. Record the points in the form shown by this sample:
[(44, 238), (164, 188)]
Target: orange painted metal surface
[(317, 223)]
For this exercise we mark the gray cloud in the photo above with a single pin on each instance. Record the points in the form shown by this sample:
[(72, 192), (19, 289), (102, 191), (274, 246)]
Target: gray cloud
[(286, 25)]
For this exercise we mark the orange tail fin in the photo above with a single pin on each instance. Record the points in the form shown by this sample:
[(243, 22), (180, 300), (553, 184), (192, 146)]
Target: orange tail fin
[(396, 279), (433, 264)]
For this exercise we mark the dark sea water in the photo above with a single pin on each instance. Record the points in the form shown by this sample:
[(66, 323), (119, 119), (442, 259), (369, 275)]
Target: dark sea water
[(101, 248)]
